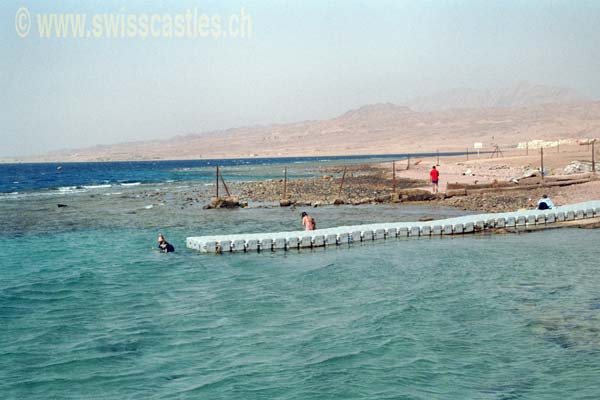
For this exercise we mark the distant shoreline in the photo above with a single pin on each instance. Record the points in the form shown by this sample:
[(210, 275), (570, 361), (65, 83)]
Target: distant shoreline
[(296, 157)]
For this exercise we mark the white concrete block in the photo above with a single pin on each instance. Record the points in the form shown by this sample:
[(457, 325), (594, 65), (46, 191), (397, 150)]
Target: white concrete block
[(597, 212), (521, 220), (225, 246), (357, 236), (459, 228), (511, 222), (332, 239), (550, 218), (560, 216), (251, 245), (589, 213), (415, 231), (426, 230), (570, 216), (239, 245), (580, 214), (318, 241), (380, 234), (531, 219), (306, 241), (344, 238), (391, 233), (191, 243), (448, 230), (402, 232), (266, 244), (469, 227), (279, 244), (480, 225), (436, 230), (367, 235), (210, 246), (490, 223), (541, 219), (500, 222), (292, 242)]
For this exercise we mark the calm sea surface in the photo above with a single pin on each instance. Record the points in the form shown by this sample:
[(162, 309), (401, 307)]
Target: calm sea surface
[(90, 310)]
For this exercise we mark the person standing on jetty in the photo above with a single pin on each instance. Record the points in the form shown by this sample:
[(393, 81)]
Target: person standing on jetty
[(434, 174), (308, 222)]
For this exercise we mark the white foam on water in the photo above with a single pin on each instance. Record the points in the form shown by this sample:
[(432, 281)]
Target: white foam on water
[(97, 186), (67, 188)]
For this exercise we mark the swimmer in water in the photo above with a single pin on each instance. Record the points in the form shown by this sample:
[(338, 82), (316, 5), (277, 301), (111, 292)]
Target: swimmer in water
[(163, 245)]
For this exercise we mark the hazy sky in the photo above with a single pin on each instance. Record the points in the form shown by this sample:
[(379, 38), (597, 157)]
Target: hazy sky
[(305, 60)]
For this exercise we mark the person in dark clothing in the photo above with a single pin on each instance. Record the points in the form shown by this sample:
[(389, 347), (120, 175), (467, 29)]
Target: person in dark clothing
[(163, 245)]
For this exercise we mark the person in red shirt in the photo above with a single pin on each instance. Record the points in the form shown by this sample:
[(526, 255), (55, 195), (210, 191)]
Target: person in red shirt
[(435, 177)]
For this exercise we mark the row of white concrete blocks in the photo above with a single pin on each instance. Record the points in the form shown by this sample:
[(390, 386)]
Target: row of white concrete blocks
[(363, 233)]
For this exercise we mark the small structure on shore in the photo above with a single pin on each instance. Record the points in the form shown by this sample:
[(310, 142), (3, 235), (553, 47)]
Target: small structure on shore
[(224, 202), (284, 201)]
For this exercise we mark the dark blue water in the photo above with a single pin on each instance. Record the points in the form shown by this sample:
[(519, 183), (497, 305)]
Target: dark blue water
[(26, 177)]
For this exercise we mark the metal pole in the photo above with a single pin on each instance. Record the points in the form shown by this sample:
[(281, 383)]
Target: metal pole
[(594, 157), (408, 162), (342, 183), (542, 159), (285, 183), (225, 186), (438, 157), (467, 154), (217, 178), (394, 176)]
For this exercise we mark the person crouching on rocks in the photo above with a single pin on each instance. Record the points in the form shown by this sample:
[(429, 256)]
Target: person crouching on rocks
[(545, 203), (308, 222)]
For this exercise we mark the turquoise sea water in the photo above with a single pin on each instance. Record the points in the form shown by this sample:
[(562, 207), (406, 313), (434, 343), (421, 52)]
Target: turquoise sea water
[(98, 314), (89, 309)]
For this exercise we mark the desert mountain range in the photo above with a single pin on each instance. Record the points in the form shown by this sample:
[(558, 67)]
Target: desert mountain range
[(449, 121), (520, 95)]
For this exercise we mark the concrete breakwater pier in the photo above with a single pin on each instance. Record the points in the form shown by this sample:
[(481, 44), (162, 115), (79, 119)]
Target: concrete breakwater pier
[(282, 241)]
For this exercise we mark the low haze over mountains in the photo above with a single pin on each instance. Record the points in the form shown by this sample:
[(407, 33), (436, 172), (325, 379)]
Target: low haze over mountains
[(520, 95), (447, 121)]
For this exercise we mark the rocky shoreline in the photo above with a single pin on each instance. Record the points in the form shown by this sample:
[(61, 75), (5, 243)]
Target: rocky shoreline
[(362, 184), (368, 184), (374, 184)]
